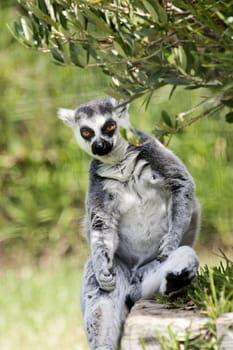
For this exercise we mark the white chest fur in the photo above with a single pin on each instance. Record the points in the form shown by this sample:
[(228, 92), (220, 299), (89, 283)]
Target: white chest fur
[(142, 205)]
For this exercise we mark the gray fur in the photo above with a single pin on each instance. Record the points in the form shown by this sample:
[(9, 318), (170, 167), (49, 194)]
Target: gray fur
[(141, 219)]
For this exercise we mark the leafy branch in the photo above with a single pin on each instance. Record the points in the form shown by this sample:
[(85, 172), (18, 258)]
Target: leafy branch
[(141, 45)]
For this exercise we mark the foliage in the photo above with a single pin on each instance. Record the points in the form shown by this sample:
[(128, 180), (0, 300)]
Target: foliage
[(205, 341), (43, 173), (211, 292), (141, 45)]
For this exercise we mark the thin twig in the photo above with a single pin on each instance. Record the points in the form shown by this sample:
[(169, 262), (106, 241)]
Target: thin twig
[(200, 116)]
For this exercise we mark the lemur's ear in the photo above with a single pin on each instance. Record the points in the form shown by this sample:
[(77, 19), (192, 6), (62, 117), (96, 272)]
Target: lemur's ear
[(122, 113), (67, 116)]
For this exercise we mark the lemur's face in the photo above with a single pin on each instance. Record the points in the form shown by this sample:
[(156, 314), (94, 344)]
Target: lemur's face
[(97, 129), (101, 137), (96, 125)]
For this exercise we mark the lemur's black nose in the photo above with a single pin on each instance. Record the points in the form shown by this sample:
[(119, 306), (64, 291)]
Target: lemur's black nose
[(101, 147)]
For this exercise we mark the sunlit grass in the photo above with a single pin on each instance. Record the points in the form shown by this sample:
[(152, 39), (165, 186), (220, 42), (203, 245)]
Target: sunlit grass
[(210, 294), (39, 309)]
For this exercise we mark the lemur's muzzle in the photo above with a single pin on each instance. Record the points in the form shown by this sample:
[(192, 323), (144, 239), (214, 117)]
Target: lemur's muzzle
[(101, 147)]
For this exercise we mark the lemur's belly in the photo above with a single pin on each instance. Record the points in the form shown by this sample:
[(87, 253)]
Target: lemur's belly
[(142, 225), (142, 205)]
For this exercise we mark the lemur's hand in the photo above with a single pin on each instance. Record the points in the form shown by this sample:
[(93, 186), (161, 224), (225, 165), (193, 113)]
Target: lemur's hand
[(165, 250), (106, 279)]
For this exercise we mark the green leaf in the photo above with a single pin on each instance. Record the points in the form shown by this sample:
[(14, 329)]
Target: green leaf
[(151, 10), (78, 54), (26, 29), (74, 54), (229, 117), (228, 102), (63, 20), (98, 21), (43, 7), (130, 136), (119, 49), (160, 132), (162, 13), (123, 132), (17, 29), (147, 100), (172, 91), (166, 118), (42, 16), (56, 55), (180, 56), (157, 12)]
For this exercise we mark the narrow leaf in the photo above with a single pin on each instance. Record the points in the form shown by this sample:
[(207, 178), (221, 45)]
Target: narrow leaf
[(42, 16), (228, 102), (130, 136), (229, 117), (98, 21), (166, 118), (56, 55), (151, 10)]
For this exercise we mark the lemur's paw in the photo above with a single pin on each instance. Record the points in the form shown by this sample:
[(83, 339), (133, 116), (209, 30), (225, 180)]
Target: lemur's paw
[(175, 281), (107, 281), (165, 250), (161, 257)]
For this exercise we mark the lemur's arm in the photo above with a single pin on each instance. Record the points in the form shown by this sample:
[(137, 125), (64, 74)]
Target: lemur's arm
[(102, 230), (180, 213), (179, 186)]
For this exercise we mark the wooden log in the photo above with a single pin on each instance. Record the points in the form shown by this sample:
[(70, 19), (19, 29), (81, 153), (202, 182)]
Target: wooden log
[(147, 320)]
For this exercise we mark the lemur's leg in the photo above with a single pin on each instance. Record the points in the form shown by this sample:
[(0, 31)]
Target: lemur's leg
[(166, 278), (104, 312)]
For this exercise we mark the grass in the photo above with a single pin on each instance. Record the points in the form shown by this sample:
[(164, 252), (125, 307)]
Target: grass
[(40, 305), (211, 293), (40, 308)]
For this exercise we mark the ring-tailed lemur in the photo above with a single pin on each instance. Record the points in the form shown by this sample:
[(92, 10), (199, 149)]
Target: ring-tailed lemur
[(141, 219)]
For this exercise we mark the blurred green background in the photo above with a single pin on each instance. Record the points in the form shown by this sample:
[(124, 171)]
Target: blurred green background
[(43, 172), (43, 178)]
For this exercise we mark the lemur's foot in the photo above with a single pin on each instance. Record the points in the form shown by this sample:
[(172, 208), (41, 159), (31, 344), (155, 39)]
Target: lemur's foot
[(175, 281), (178, 271)]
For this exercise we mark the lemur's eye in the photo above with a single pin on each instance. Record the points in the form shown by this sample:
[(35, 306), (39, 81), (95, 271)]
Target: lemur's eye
[(109, 127), (87, 133)]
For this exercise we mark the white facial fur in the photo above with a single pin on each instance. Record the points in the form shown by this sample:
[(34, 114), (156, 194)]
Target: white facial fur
[(95, 123), (76, 120)]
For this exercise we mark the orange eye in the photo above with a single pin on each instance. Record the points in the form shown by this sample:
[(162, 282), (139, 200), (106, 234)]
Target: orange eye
[(110, 127), (85, 133)]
